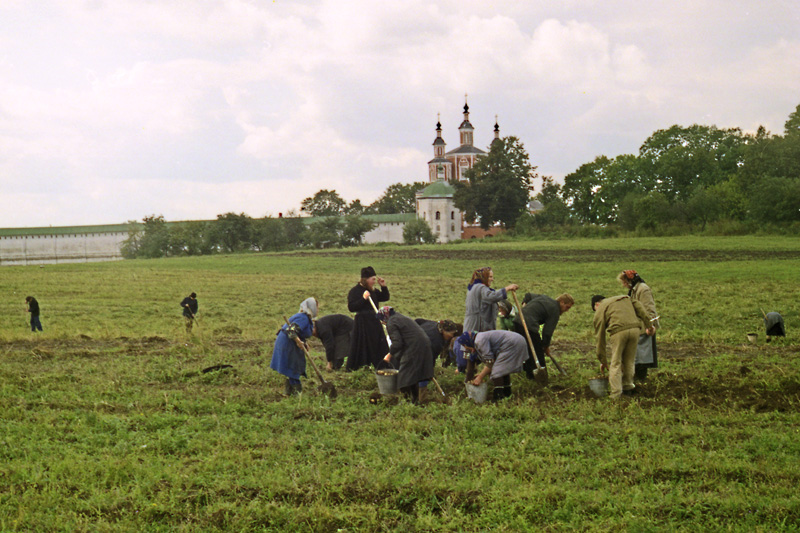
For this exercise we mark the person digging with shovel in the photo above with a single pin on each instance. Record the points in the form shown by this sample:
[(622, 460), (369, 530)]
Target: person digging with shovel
[(288, 355), (502, 354), (540, 311), (189, 305), (622, 319)]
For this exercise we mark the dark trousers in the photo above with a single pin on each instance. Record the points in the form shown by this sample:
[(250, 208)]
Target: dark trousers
[(35, 324), (537, 346), (411, 393)]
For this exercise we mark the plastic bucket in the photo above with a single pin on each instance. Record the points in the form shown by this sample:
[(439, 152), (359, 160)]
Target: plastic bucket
[(387, 381), (752, 338), (599, 386), (477, 394)]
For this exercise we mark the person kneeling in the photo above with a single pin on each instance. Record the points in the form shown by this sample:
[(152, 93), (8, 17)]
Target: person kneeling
[(502, 354)]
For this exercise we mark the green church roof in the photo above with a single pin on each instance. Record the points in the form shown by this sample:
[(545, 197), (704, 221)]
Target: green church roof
[(439, 189)]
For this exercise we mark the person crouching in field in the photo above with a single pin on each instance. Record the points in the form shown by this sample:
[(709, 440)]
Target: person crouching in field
[(189, 305), (334, 331), (409, 352), (288, 357), (481, 301), (502, 354), (621, 318), (773, 322), (440, 334), (506, 313)]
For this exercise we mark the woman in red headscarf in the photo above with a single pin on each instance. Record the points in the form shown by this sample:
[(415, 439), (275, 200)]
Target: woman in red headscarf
[(639, 291)]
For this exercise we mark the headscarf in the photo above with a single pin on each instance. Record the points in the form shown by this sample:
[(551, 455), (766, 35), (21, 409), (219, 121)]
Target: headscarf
[(467, 339), (633, 278), (506, 306), (597, 298), (449, 326), (480, 276), (384, 313), (309, 307)]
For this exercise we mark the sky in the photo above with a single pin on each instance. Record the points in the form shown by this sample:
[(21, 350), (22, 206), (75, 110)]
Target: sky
[(111, 111)]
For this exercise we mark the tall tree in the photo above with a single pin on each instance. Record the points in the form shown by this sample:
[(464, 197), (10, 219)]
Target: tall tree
[(398, 198), (418, 231), (232, 232), (498, 185), (324, 203)]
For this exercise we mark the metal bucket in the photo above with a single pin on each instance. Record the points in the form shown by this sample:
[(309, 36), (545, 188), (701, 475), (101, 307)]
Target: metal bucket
[(477, 394), (387, 381), (599, 386), (752, 338)]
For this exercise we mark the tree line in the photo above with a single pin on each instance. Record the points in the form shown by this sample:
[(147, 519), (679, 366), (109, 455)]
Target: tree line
[(338, 224), (682, 179)]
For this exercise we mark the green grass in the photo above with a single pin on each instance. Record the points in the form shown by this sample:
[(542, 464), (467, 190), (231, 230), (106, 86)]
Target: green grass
[(108, 424)]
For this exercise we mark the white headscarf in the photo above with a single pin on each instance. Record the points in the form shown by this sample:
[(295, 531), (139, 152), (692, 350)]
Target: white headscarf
[(309, 307)]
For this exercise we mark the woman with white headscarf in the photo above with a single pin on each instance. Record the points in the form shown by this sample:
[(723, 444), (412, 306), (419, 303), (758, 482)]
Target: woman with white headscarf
[(288, 357)]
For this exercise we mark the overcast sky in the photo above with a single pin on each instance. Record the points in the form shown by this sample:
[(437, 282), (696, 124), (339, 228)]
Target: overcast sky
[(114, 110)]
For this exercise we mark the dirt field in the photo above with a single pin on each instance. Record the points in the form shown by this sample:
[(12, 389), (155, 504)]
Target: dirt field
[(730, 387)]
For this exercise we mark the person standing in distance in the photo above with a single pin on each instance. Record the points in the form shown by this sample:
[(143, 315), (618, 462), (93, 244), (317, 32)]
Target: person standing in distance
[(33, 309)]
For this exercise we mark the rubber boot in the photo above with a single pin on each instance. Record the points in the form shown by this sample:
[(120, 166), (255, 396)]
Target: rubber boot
[(507, 391), (528, 367), (640, 373), (498, 393)]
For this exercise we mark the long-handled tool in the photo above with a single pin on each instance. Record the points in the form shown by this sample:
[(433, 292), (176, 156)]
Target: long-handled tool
[(389, 342), (326, 387), (540, 374), (552, 358)]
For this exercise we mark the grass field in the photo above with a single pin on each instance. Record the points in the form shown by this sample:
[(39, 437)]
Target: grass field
[(108, 424)]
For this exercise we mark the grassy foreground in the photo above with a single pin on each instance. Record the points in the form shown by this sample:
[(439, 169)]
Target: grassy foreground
[(108, 422)]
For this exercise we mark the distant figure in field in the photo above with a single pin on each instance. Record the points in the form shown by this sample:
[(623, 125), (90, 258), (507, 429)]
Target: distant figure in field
[(502, 353), (288, 357), (189, 305), (541, 311), (481, 301), (410, 352), (774, 323), (33, 309), (334, 331), (639, 291), (622, 319), (368, 342)]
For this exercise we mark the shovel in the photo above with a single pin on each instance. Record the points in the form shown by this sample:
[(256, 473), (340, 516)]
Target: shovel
[(326, 387), (540, 374), (389, 342)]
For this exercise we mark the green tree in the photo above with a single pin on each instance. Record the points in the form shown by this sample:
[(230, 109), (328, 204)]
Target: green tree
[(354, 229), (269, 234), (325, 232), (155, 238), (324, 203), (295, 230), (398, 198), (190, 238), (498, 185), (583, 192), (418, 231), (130, 246), (356, 208), (232, 232)]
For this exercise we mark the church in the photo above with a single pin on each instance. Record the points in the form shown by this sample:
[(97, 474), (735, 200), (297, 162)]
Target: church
[(435, 202)]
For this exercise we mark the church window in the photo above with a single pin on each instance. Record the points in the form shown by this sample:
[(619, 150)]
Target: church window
[(438, 215), (452, 215)]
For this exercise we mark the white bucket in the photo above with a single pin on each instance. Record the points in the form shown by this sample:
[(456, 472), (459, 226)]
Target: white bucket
[(752, 338), (599, 386), (477, 394)]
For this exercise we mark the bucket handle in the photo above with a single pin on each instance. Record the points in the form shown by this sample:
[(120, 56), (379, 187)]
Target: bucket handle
[(387, 362)]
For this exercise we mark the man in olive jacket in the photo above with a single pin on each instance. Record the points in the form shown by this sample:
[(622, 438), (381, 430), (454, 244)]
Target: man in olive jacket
[(622, 318)]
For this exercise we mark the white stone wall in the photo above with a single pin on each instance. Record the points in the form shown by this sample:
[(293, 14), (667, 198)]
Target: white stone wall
[(70, 248), (385, 232), (448, 225)]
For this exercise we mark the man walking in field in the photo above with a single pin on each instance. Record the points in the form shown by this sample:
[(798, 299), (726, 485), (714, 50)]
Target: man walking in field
[(33, 309), (189, 305), (622, 318)]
